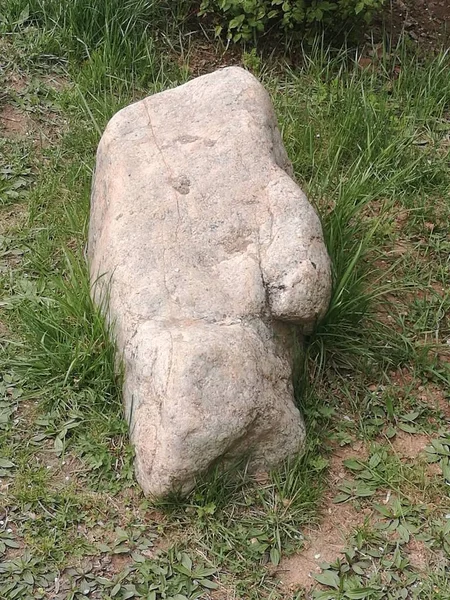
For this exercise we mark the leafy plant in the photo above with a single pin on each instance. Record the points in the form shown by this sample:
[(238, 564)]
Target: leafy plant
[(16, 175), (399, 519), (174, 576), (246, 19), (372, 568), (381, 470), (439, 451), (26, 577)]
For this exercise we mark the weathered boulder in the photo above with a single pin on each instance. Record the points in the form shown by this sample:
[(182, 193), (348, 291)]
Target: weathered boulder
[(204, 244)]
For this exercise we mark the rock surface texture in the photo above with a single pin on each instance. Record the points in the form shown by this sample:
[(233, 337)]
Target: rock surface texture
[(206, 245)]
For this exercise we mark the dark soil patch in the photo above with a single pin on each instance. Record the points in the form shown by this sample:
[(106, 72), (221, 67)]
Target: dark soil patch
[(205, 57), (410, 446), (425, 22)]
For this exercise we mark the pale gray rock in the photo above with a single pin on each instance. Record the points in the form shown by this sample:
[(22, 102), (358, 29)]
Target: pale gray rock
[(204, 244)]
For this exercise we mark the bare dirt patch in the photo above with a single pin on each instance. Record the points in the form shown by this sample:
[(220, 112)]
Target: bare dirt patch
[(326, 543), (14, 123), (64, 471), (434, 470), (337, 470), (418, 554), (41, 126), (205, 57), (323, 545), (119, 562), (426, 22), (408, 445), (402, 377), (412, 447)]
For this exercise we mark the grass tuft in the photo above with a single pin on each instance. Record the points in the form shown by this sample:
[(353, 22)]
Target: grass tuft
[(66, 337)]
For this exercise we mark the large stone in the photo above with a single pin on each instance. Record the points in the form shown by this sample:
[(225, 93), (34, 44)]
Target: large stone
[(205, 244)]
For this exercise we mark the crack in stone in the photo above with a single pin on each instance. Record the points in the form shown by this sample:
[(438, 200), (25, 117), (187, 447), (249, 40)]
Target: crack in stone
[(181, 182)]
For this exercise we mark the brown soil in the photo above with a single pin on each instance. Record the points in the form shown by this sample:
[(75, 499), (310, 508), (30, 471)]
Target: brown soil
[(13, 122), (434, 470), (17, 124), (425, 22), (119, 562), (326, 543), (205, 57), (408, 445), (418, 554)]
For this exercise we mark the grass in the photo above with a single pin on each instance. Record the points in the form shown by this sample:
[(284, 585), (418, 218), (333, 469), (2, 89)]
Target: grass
[(356, 150), (370, 148)]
